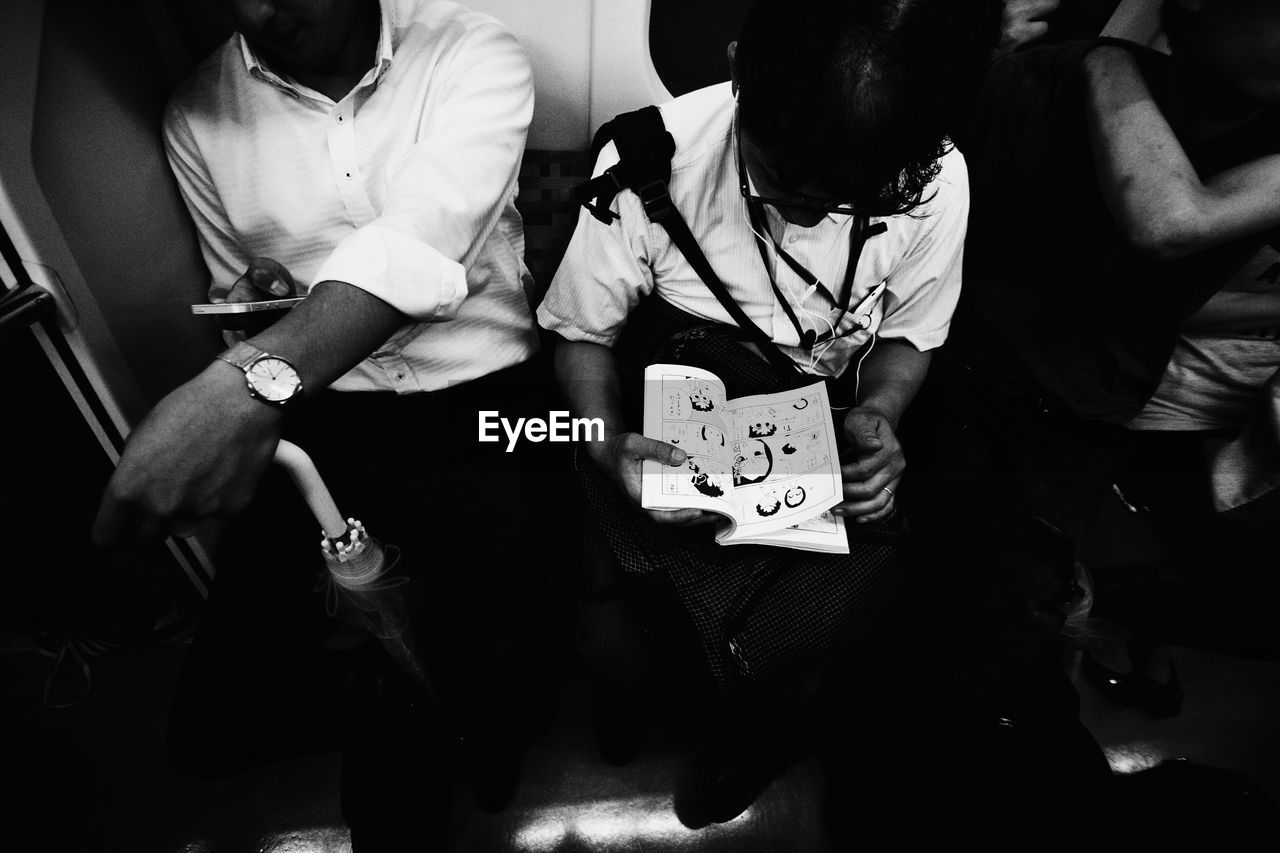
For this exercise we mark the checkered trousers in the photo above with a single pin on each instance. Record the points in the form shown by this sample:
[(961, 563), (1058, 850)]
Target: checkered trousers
[(765, 616)]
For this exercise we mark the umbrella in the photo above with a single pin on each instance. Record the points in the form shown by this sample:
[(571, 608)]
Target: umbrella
[(361, 586)]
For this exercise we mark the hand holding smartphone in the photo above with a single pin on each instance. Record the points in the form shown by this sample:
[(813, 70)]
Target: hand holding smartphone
[(255, 300)]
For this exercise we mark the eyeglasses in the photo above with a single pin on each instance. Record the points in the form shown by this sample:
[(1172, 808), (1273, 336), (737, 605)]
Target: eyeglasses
[(803, 202)]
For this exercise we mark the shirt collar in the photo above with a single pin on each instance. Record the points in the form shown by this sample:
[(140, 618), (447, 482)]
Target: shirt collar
[(384, 53)]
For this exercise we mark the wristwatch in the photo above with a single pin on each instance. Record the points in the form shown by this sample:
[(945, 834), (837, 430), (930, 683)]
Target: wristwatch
[(270, 378)]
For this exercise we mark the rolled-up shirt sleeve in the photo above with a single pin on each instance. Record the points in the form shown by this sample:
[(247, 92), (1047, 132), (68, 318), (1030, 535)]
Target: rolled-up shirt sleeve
[(449, 189), (925, 287), (605, 271)]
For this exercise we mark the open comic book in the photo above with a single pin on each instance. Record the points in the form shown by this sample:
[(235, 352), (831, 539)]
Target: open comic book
[(767, 463)]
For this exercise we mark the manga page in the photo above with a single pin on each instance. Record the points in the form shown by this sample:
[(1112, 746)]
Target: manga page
[(821, 533), (785, 462), (685, 406)]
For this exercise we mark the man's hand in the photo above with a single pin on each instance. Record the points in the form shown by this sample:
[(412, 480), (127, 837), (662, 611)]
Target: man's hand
[(1024, 22), (199, 454), (622, 458), (264, 279), (871, 478)]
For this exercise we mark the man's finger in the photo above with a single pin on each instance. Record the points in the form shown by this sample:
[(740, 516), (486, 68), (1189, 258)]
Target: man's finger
[(863, 430), (258, 283), (860, 509), (869, 489), (274, 274), (642, 447), (1029, 9), (251, 287), (877, 516), (114, 524), (268, 281), (866, 468), (1029, 31), (152, 529), (868, 440), (680, 516)]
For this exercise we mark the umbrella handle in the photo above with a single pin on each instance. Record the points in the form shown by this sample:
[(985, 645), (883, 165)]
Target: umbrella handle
[(298, 465)]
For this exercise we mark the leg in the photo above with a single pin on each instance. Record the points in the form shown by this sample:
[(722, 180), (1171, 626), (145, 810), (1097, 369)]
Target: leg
[(256, 685)]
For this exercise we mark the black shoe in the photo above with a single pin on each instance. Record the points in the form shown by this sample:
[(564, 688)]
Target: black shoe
[(1227, 808), (397, 765), (1135, 689), (493, 772), (621, 725), (729, 780)]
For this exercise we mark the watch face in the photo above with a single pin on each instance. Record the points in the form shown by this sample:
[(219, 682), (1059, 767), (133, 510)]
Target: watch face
[(273, 379)]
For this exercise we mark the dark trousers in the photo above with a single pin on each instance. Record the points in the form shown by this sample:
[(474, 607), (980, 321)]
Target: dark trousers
[(472, 523), (1003, 485), (980, 442)]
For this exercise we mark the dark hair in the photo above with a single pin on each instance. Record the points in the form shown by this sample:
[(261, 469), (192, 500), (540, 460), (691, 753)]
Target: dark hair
[(860, 95)]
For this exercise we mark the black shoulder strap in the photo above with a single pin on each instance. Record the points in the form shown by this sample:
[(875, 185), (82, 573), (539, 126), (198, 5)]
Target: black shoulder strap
[(645, 149)]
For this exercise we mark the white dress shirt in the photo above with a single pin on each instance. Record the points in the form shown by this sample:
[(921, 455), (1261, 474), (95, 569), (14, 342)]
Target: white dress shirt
[(405, 188), (609, 268)]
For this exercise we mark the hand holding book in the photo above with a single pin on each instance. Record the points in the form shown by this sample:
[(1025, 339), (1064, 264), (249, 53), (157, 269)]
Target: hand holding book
[(766, 465), (622, 458), (873, 466)]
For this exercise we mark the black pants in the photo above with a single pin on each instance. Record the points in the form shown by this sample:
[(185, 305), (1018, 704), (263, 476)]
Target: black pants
[(471, 521)]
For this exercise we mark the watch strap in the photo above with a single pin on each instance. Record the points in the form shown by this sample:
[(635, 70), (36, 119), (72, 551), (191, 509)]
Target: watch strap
[(241, 355)]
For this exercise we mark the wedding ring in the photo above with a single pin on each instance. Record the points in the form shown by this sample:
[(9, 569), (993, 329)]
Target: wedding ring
[(889, 490)]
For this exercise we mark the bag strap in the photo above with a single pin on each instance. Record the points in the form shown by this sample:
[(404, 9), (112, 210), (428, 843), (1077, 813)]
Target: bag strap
[(645, 149)]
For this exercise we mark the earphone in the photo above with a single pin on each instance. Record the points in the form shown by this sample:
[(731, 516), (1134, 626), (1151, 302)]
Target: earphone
[(857, 370), (799, 299), (862, 314)]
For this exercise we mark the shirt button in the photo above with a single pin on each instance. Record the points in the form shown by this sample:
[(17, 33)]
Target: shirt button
[(399, 376), (339, 118), (348, 174)]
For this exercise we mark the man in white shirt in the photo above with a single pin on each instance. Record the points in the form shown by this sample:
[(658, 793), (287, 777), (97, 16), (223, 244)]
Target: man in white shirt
[(834, 129), (368, 151), (608, 269)]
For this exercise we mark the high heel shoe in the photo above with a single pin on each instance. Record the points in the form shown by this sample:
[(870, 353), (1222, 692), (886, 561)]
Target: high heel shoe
[(1136, 689)]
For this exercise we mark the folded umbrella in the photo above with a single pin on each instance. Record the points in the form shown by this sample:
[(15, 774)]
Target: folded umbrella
[(361, 586)]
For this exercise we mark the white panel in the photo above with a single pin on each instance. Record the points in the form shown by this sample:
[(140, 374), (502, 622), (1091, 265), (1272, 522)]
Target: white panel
[(7, 278), (31, 224), (42, 246), (556, 34), (622, 74)]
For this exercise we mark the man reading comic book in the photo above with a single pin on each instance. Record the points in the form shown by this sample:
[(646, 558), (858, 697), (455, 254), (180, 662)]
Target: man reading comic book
[(822, 189)]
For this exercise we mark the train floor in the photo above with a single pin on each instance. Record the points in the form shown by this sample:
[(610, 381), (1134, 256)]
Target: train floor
[(93, 777)]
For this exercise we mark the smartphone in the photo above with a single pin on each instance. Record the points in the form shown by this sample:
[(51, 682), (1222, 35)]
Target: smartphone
[(246, 307)]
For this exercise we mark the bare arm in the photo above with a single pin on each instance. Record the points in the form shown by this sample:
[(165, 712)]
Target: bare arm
[(203, 449), (891, 376), (1150, 186), (201, 452)]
